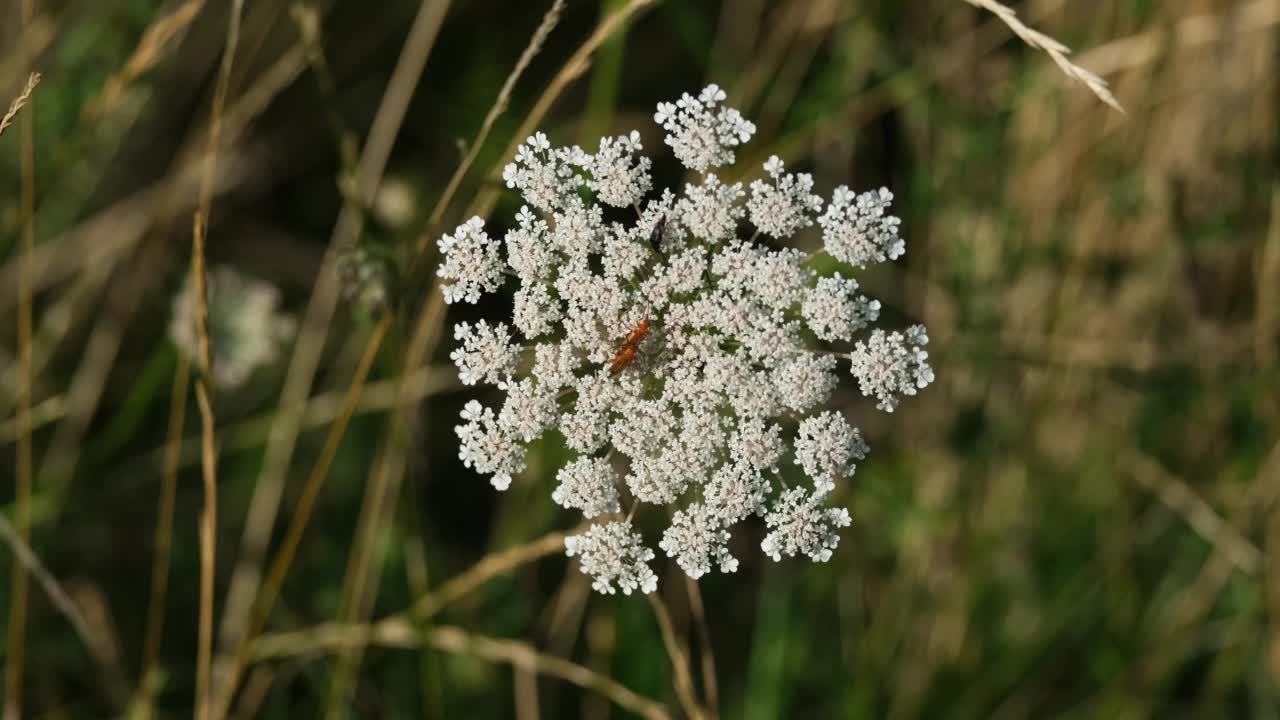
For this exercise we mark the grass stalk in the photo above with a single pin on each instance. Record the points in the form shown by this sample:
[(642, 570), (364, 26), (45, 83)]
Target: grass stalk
[(573, 69), (549, 22), (1051, 47), (682, 678), (164, 520), (456, 641), (241, 598), (284, 557), (710, 688), (26, 558), (204, 390), (19, 102), (15, 657)]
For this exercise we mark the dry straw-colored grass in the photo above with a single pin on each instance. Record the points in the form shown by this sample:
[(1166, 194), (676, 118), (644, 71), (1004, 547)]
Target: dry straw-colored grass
[(28, 560), (1054, 49), (405, 630), (23, 471), (204, 389), (148, 53), (264, 506), (682, 676), (521, 655), (424, 336), (356, 602), (710, 685), (19, 102), (204, 399), (247, 608), (330, 637)]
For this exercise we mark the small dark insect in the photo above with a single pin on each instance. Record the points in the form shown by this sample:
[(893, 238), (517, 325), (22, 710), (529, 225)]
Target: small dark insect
[(627, 352), (655, 237)]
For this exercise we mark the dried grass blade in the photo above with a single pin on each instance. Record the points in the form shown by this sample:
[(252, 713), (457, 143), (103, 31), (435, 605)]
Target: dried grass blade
[(1051, 47), (19, 102)]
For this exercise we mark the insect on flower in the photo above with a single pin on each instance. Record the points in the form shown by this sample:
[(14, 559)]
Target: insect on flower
[(627, 352), (739, 383), (655, 237)]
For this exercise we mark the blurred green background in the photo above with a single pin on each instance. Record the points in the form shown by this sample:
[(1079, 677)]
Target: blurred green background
[(1075, 520)]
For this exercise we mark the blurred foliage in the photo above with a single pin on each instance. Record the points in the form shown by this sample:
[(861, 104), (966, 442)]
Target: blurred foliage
[(1078, 519)]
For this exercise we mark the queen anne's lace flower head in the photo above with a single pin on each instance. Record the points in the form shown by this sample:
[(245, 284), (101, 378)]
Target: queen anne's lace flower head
[(857, 229), (890, 365), (783, 204), (683, 362), (471, 262), (826, 447), (246, 324), (700, 132), (803, 526), (613, 553), (696, 539), (617, 176), (588, 484), (486, 355)]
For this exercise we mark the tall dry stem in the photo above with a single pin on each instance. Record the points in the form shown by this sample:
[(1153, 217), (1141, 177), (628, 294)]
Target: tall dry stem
[(158, 37), (263, 507), (23, 471), (242, 604), (573, 69), (19, 102), (164, 520), (681, 675), (297, 527), (1051, 47), (26, 559), (682, 678), (709, 685), (204, 391), (549, 22), (454, 640)]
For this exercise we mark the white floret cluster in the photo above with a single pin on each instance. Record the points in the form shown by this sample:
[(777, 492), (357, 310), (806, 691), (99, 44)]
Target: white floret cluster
[(684, 362), (248, 329)]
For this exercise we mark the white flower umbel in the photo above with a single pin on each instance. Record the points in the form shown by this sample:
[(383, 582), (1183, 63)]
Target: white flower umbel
[(614, 553), (545, 177), (858, 230), (487, 446), (246, 326), (834, 311), (618, 177), (803, 526), (471, 261), (783, 204), (697, 538), (486, 355), (700, 132), (737, 490), (890, 365), (711, 210), (685, 363), (826, 447), (588, 484)]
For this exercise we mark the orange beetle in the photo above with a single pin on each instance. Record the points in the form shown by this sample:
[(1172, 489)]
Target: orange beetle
[(626, 355), (627, 352), (637, 336)]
